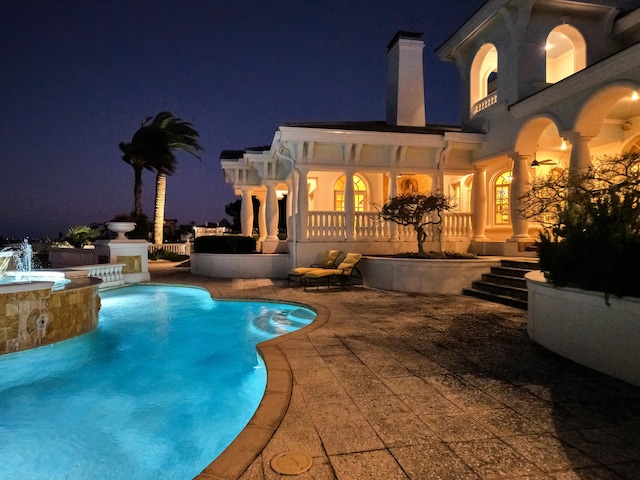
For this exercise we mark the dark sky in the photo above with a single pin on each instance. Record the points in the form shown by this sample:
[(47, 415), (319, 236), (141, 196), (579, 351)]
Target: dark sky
[(79, 76)]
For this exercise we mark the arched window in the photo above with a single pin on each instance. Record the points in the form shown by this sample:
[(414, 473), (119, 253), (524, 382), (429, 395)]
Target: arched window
[(360, 193), (501, 198), (566, 53), (484, 78)]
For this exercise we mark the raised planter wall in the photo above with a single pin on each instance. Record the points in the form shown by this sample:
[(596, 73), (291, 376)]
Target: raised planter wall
[(579, 325), (248, 265), (448, 276)]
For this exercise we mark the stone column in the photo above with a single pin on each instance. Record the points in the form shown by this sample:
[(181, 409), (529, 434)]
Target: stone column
[(520, 184), (479, 203), (246, 212), (270, 244), (349, 206), (303, 206), (580, 154), (290, 212), (393, 192), (262, 216), (272, 211)]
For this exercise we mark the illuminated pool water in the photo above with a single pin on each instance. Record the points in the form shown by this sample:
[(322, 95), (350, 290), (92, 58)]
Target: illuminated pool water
[(158, 390)]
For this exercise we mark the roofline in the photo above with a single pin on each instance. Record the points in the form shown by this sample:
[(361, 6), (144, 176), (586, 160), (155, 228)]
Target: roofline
[(481, 16)]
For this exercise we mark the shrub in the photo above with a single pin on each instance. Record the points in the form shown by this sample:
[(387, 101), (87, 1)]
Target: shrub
[(81, 235), (224, 244), (592, 239)]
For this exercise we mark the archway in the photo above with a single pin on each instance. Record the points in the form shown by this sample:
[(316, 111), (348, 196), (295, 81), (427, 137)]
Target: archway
[(484, 74), (566, 53)]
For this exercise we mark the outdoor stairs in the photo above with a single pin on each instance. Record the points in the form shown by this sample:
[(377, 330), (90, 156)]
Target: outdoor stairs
[(505, 284)]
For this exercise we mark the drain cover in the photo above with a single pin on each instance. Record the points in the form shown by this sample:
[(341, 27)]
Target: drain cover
[(291, 463)]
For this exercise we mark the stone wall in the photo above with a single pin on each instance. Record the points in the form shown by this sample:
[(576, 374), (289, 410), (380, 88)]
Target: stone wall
[(32, 315)]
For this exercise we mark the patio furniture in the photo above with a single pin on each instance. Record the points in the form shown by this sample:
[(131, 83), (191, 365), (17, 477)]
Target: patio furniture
[(343, 275), (326, 259)]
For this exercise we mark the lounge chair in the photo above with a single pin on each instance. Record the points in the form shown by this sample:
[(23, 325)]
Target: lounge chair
[(326, 259), (346, 273)]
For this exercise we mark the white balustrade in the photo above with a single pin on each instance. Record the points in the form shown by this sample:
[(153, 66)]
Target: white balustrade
[(456, 225), (486, 102), (176, 248), (326, 225), (110, 273), (369, 226)]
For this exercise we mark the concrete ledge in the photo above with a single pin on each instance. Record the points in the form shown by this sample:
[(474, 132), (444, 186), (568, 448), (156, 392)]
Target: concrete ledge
[(248, 265), (447, 276), (579, 325)]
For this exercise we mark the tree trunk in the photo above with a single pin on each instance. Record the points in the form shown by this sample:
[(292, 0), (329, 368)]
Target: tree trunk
[(158, 223), (137, 192), (420, 233)]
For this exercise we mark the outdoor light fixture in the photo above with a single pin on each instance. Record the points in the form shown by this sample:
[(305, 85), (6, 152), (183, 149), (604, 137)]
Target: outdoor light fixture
[(564, 145), (635, 96)]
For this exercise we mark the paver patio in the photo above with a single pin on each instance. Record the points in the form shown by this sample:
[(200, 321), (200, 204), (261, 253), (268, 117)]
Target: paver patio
[(397, 386)]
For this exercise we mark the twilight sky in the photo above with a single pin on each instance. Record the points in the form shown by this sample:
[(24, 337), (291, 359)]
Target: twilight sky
[(78, 76)]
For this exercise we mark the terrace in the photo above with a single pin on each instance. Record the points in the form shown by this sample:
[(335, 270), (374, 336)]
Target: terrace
[(423, 386)]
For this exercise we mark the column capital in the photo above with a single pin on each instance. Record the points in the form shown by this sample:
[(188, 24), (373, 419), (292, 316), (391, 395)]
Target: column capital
[(575, 137)]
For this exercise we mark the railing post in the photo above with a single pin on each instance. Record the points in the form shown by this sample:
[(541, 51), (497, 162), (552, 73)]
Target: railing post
[(303, 206)]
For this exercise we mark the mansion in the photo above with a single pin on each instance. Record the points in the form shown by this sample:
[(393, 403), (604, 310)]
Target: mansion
[(545, 84)]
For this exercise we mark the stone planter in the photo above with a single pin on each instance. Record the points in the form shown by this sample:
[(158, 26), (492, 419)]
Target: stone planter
[(579, 325), (121, 228), (447, 276)]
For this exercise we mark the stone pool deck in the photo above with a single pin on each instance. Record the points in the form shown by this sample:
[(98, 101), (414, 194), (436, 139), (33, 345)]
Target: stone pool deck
[(394, 386)]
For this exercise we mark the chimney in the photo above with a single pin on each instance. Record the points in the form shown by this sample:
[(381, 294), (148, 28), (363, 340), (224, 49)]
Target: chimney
[(405, 80)]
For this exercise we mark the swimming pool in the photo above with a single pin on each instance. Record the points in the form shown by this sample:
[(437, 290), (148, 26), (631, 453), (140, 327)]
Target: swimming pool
[(158, 390)]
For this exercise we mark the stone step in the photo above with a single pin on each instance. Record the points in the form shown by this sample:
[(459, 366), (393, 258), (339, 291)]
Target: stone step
[(507, 280), (510, 271), (502, 290), (510, 301), (521, 263)]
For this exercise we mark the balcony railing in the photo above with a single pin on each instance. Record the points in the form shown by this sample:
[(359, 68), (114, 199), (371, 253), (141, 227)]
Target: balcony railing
[(369, 226), (177, 248), (486, 102)]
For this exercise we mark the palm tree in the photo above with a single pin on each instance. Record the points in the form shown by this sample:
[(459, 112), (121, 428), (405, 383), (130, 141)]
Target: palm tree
[(153, 145), (136, 154)]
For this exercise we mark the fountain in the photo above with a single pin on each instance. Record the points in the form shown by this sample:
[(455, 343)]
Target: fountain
[(25, 268), (39, 307)]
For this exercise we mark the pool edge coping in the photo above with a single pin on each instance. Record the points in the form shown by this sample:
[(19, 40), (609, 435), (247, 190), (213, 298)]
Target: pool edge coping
[(254, 437)]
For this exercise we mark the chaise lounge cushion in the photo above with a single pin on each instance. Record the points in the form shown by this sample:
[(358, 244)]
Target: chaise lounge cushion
[(345, 268), (326, 260)]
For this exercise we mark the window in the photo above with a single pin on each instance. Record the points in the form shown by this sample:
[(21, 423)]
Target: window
[(360, 194), (566, 53), (501, 198)]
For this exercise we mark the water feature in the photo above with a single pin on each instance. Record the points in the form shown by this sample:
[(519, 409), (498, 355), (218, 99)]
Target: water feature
[(158, 390), (26, 268)]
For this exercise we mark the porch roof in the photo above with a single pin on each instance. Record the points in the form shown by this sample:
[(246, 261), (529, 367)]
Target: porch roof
[(375, 126)]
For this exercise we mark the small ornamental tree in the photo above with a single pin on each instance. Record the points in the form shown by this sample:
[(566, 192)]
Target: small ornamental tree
[(592, 225), (418, 211)]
